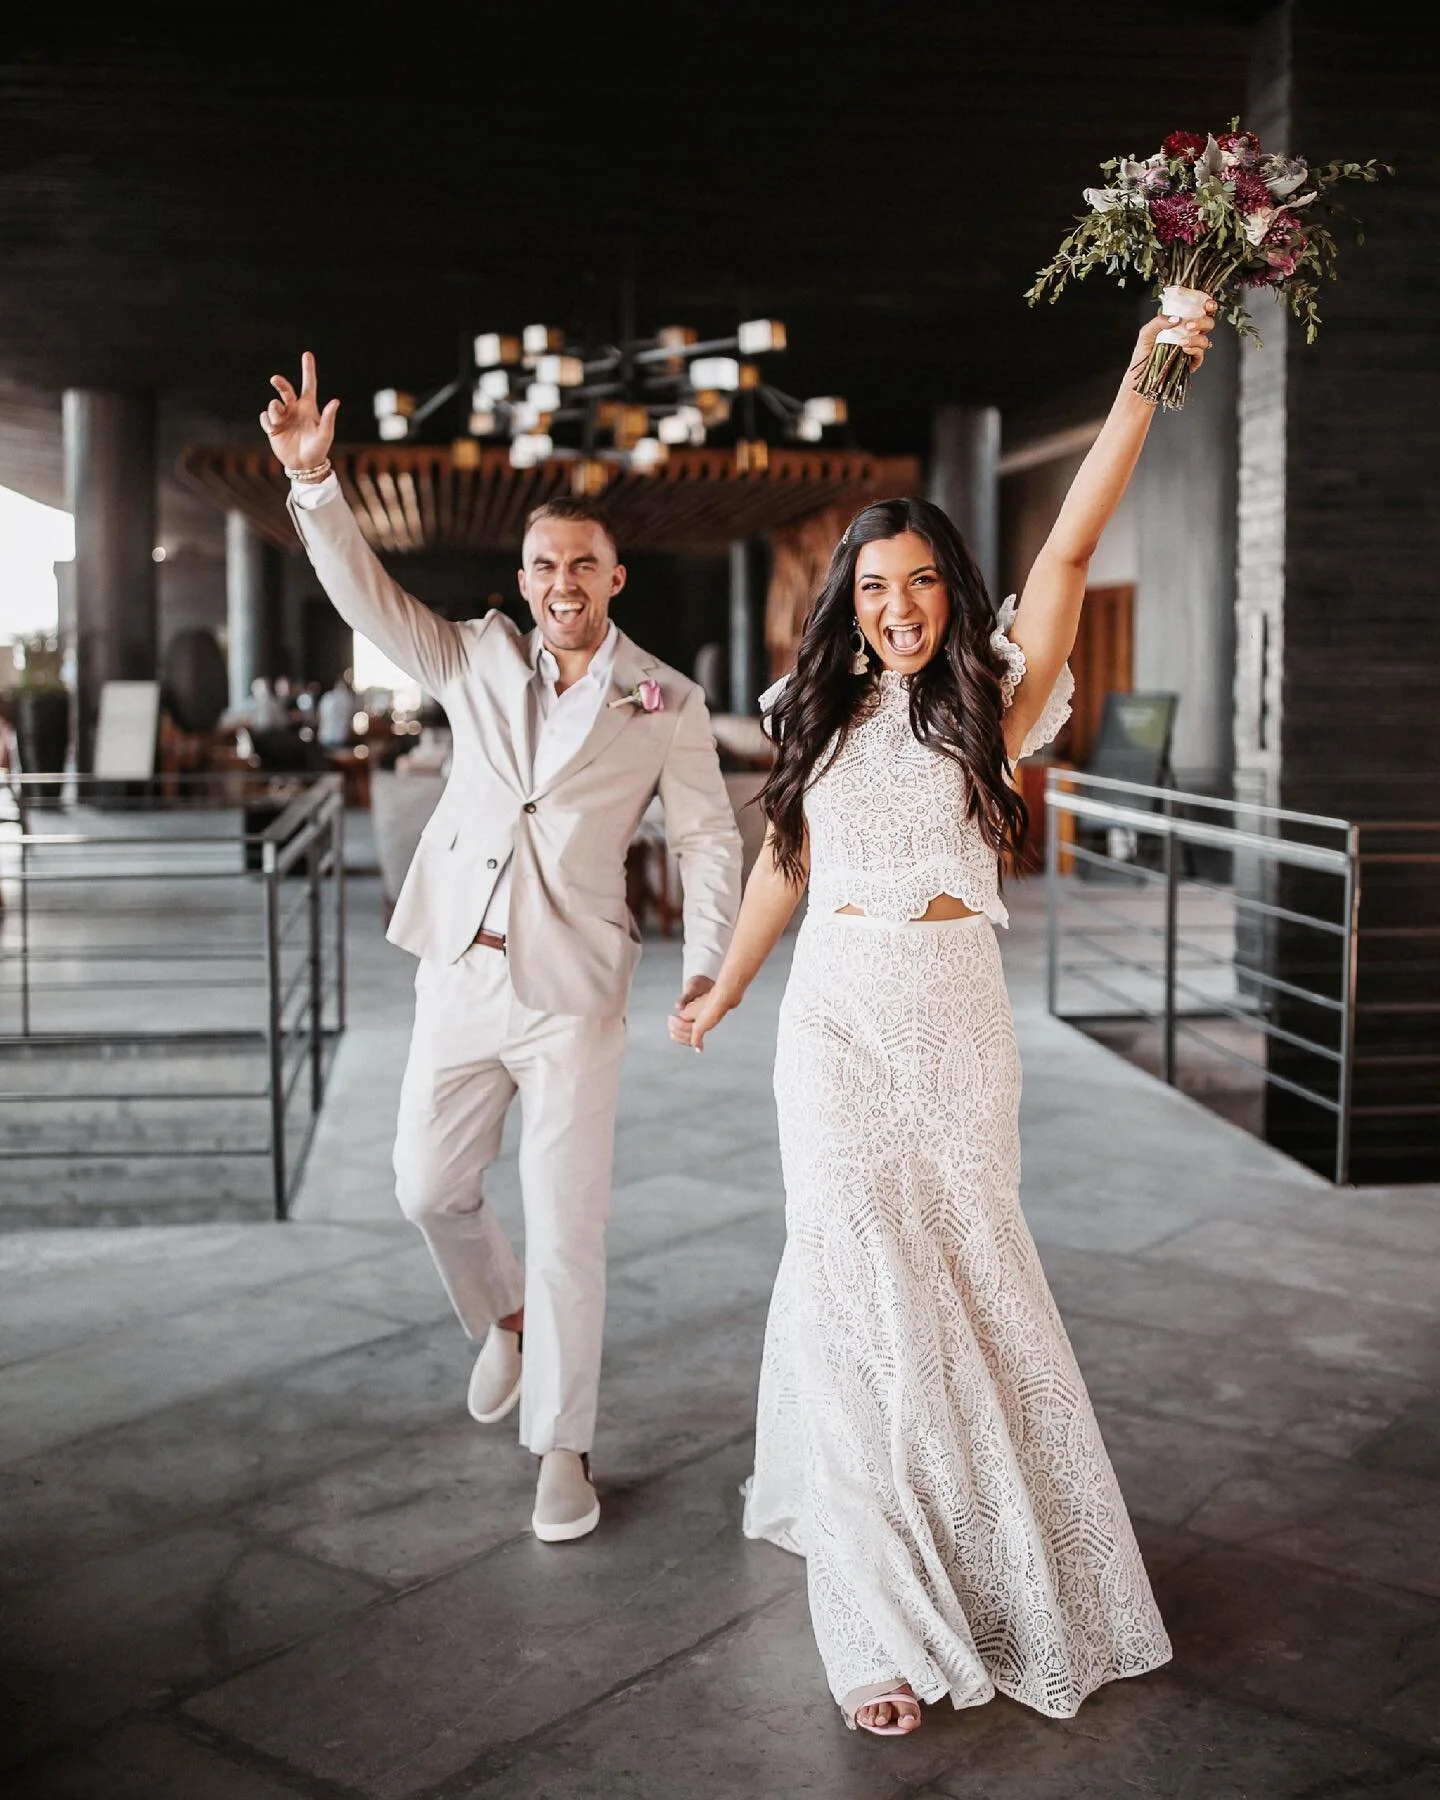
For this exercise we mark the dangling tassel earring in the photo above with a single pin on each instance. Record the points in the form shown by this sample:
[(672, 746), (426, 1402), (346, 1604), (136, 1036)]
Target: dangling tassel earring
[(860, 658)]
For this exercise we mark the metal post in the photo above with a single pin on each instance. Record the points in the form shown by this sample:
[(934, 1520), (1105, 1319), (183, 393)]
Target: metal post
[(1349, 972), (24, 926), (317, 977), (340, 904), (1052, 908), (273, 1027), (1172, 913)]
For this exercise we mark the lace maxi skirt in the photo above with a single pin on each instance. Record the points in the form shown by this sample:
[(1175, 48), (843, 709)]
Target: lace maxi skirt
[(925, 1439)]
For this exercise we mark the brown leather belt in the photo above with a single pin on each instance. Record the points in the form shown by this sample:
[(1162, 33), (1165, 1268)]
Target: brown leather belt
[(491, 940)]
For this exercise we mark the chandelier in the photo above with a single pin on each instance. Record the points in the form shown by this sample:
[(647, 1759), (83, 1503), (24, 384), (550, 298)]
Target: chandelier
[(612, 408)]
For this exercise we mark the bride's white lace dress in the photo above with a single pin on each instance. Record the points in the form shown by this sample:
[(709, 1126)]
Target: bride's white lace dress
[(924, 1437)]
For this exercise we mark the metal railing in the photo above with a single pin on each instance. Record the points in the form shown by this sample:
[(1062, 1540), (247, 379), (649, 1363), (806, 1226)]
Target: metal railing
[(1156, 839), (172, 985)]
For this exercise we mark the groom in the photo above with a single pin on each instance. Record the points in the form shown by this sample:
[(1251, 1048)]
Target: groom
[(515, 905)]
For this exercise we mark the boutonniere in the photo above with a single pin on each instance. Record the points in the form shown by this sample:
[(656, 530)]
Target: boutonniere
[(646, 695)]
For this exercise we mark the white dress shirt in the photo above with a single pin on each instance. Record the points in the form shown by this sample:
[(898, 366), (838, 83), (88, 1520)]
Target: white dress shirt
[(559, 723)]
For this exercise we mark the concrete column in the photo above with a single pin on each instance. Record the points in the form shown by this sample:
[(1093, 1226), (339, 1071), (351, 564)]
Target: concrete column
[(1338, 676), (965, 479), (110, 488), (745, 592), (250, 605)]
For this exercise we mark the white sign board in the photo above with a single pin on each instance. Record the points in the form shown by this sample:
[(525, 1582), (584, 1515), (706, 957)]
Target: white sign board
[(125, 734)]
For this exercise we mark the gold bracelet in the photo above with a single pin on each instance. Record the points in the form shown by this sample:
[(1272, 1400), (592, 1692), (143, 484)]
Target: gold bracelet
[(317, 473)]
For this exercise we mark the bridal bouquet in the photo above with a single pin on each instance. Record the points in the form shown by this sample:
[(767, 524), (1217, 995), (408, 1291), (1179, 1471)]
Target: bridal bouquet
[(1208, 215)]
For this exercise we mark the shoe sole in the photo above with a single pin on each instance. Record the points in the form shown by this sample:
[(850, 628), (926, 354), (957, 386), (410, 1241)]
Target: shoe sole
[(507, 1405), (563, 1534)]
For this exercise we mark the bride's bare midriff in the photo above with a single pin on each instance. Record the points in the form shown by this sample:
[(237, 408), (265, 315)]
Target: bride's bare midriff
[(943, 906)]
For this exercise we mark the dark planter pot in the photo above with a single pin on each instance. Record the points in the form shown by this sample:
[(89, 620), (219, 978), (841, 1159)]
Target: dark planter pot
[(42, 737)]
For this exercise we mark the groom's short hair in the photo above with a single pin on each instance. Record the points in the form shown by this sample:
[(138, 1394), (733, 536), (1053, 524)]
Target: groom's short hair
[(573, 507)]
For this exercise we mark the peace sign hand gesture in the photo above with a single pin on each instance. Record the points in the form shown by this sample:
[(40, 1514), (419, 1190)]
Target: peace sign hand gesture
[(299, 433)]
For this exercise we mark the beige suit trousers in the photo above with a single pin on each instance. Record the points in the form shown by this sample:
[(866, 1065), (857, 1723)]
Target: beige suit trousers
[(474, 1047)]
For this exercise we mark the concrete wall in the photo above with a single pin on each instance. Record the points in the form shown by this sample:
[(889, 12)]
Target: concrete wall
[(1173, 537)]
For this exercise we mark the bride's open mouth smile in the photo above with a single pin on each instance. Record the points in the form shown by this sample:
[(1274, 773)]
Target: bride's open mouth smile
[(904, 640)]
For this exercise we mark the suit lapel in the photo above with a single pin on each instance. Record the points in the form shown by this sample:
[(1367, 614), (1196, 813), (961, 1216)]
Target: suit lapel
[(630, 667)]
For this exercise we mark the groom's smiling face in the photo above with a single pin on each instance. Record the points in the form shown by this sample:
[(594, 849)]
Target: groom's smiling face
[(570, 575)]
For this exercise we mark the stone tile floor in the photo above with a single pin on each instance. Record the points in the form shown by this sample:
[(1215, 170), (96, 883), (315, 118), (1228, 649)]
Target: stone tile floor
[(254, 1549)]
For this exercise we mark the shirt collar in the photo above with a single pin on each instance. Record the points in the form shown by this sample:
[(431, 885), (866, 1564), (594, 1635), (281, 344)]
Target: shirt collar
[(601, 664)]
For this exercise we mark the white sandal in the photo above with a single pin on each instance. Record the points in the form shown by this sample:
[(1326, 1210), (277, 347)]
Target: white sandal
[(896, 1694)]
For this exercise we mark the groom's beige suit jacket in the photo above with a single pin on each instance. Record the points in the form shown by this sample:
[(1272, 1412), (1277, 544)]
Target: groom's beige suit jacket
[(571, 940)]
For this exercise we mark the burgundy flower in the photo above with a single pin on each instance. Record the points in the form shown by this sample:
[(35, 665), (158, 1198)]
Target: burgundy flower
[(1251, 193), (1176, 216), (1186, 144), (1239, 148)]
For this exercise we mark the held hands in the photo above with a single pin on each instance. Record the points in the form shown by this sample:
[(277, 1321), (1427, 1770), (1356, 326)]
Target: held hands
[(698, 1011), (1195, 335), (300, 433)]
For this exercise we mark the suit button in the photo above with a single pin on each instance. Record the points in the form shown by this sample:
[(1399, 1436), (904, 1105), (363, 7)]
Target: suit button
[(529, 806), (490, 863)]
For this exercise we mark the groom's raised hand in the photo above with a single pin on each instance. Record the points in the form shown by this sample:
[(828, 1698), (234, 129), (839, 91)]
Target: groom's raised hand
[(300, 433)]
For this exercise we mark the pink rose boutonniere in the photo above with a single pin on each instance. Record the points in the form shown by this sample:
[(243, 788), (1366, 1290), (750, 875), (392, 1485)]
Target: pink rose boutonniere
[(646, 695)]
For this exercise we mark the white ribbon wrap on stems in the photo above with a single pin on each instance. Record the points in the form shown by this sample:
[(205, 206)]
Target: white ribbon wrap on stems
[(1182, 303)]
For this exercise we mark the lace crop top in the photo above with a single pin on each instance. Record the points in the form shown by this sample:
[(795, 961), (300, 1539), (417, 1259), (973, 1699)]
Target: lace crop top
[(887, 821)]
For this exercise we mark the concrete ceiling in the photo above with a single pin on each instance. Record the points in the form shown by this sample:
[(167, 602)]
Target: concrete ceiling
[(187, 200)]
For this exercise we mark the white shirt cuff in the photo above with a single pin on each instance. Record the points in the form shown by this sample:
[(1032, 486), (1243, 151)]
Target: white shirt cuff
[(307, 495)]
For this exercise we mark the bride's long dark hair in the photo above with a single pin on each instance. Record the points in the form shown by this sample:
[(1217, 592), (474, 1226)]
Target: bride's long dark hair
[(955, 702)]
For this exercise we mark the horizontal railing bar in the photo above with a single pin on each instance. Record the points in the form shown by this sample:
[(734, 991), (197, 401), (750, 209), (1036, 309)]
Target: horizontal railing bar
[(1274, 982), (1268, 907), (1100, 861), (1137, 1011), (1155, 971), (1189, 831), (1246, 1062), (137, 952), (97, 985), (171, 877), (147, 1095), (1261, 1024), (1177, 796), (106, 1154)]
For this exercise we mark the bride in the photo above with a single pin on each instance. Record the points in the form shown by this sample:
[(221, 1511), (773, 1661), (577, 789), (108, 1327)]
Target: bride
[(925, 1440)]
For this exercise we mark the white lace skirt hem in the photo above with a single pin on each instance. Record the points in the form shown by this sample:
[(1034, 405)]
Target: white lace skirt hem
[(924, 1437)]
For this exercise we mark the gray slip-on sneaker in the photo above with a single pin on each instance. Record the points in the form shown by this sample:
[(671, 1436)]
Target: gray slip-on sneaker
[(566, 1506), (495, 1379)]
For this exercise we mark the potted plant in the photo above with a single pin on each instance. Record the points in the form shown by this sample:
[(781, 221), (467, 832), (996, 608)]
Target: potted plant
[(41, 708)]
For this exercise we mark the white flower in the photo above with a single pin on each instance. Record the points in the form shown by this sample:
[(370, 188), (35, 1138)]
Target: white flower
[(1255, 225), (1283, 174), (1210, 164), (1103, 200)]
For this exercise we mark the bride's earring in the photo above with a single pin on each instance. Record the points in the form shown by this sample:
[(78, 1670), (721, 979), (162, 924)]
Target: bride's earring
[(859, 658)]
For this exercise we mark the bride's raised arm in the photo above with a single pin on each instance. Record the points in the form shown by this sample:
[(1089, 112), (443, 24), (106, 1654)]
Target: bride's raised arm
[(1049, 614)]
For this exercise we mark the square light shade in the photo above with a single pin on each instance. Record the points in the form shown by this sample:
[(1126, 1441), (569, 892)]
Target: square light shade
[(827, 409), (544, 395), (530, 449), (528, 418), (465, 454), (683, 427), (808, 430), (562, 371), (632, 423), (713, 408), (538, 339), (759, 335), (393, 427), (494, 384), (394, 402), (676, 337), (715, 372), (648, 453), (588, 477), (484, 422), (495, 347)]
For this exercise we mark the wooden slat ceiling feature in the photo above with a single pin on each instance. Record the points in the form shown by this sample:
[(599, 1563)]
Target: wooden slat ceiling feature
[(412, 497)]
